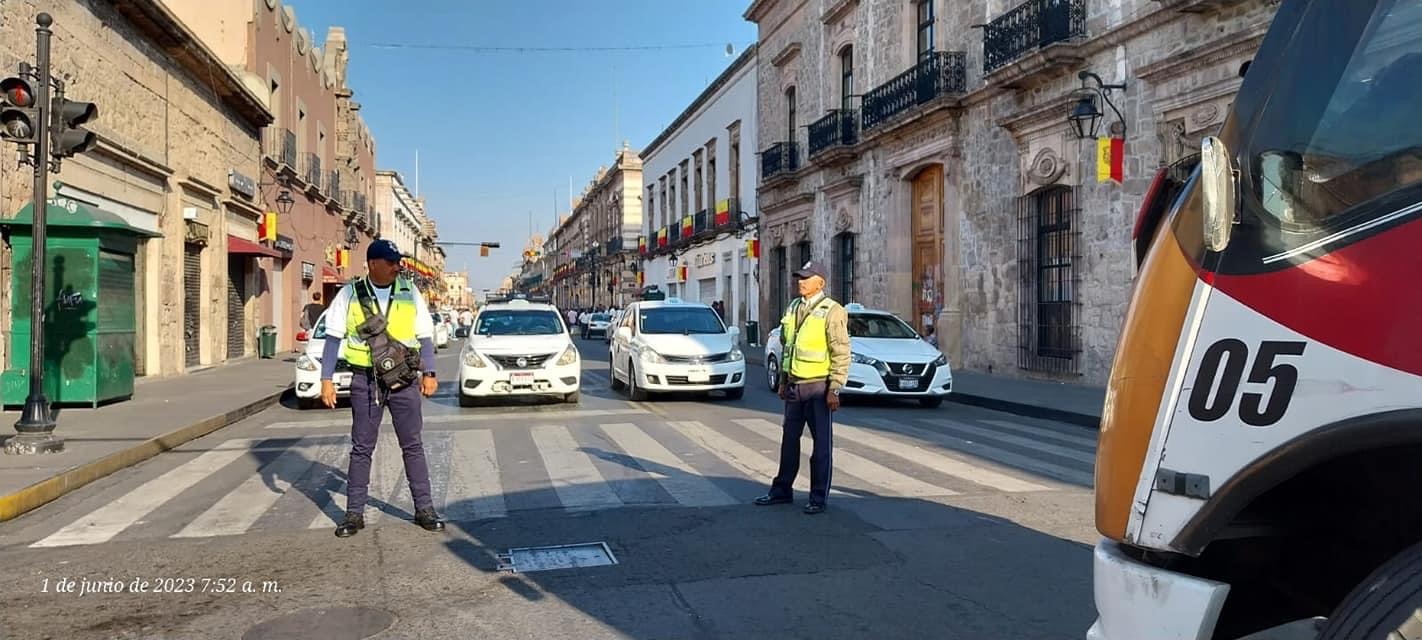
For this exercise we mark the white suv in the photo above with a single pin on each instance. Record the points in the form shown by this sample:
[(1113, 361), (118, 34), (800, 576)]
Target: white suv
[(676, 346), (518, 348)]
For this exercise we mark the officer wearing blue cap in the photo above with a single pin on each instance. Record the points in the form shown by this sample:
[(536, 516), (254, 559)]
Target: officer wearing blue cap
[(385, 293)]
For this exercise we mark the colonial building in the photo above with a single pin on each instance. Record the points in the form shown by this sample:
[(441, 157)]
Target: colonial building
[(401, 214), (599, 240), (178, 157), (700, 195), (921, 148), (318, 155)]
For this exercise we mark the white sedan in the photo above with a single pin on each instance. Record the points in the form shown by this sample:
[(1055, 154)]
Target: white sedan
[(441, 332), (676, 346), (308, 370), (519, 348), (888, 359)]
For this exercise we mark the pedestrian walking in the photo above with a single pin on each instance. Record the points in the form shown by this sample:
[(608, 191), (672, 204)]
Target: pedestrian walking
[(311, 312), (382, 327), (815, 362)]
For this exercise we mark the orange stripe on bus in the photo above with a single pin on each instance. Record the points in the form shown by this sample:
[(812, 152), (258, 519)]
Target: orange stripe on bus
[(1144, 355)]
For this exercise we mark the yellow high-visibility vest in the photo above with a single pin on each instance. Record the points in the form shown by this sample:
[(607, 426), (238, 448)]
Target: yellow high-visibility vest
[(400, 320), (807, 355)]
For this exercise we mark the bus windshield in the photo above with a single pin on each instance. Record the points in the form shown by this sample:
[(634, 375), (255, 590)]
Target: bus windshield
[(1347, 130)]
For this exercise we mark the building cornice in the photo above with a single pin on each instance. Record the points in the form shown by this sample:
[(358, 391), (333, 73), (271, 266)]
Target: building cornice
[(838, 11), (786, 54), (167, 31), (722, 80), (1181, 63), (134, 158), (757, 10)]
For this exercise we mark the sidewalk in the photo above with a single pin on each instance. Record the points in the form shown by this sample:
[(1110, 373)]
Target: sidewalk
[(162, 414), (1074, 403)]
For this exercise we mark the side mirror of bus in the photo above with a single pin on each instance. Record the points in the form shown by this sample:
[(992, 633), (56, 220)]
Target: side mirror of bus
[(1217, 179)]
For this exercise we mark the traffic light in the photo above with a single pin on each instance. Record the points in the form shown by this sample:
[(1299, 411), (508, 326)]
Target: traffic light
[(18, 114), (483, 251), (69, 135)]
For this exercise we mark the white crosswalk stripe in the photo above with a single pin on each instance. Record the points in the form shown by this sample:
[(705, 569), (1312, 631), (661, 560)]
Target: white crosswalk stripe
[(474, 489), (240, 508), (860, 467), (574, 477), (108, 521), (679, 479), (302, 479)]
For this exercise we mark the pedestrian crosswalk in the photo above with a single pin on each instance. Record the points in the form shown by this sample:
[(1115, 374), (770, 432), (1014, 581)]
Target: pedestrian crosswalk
[(606, 460)]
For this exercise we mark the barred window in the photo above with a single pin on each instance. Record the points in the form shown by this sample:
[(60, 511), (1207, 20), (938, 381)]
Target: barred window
[(1048, 331), (802, 254), (844, 267), (782, 275)]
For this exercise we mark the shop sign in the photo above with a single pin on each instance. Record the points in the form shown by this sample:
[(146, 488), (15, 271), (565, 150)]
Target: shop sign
[(705, 259), (284, 244), (241, 184), (308, 271)]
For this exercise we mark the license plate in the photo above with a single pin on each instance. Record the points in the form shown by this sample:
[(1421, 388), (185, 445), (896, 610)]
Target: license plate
[(696, 375), (908, 383), (341, 379), (521, 378)]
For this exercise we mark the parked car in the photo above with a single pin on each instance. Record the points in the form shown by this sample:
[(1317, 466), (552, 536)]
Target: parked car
[(888, 359), (672, 345), (596, 326), (519, 348), (441, 331), (308, 370), (613, 322)]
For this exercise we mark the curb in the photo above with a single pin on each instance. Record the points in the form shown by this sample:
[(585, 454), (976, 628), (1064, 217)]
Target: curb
[(29, 498), (1024, 409)]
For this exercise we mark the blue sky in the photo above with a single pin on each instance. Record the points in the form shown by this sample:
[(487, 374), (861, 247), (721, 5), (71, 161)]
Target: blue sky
[(497, 132)]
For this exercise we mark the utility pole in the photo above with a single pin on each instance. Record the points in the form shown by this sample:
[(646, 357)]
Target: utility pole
[(28, 116)]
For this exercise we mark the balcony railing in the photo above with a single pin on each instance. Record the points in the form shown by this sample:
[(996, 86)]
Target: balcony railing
[(937, 74), (838, 129), (700, 222), (1030, 26), (780, 158), (311, 164), (288, 148), (333, 184)]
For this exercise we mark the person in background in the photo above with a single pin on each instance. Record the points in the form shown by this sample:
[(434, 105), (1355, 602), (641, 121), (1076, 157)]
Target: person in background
[(930, 336), (312, 312)]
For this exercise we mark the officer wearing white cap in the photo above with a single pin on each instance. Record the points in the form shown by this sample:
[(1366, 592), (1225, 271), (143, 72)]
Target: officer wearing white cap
[(815, 366)]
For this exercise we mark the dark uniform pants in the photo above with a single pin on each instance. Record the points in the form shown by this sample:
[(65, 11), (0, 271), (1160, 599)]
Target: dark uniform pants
[(805, 402), (367, 412)]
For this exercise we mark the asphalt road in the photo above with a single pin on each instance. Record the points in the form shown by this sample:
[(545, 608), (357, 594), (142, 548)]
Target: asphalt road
[(955, 522)]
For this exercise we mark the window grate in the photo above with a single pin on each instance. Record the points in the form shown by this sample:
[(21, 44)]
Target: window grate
[(844, 263), (1049, 332)]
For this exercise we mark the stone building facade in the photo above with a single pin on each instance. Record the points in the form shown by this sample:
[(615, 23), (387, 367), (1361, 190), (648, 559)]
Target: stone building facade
[(598, 242), (317, 151), (921, 149), (178, 154), (702, 169)]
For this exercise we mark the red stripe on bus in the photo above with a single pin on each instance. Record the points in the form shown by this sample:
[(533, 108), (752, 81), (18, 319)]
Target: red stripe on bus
[(1361, 299)]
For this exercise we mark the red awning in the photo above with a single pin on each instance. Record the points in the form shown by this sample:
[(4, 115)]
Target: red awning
[(247, 247), (329, 275)]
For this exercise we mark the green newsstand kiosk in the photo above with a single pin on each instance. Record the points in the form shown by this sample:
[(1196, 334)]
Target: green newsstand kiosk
[(90, 305)]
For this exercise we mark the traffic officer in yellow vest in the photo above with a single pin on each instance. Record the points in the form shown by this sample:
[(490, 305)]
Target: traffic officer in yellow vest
[(408, 322), (814, 366)]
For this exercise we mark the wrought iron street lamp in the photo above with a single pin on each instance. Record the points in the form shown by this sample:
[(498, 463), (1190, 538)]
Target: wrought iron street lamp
[(1085, 118), (285, 202)]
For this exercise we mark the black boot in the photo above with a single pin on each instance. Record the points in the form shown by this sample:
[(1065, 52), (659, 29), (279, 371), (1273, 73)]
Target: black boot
[(354, 522), (429, 520)]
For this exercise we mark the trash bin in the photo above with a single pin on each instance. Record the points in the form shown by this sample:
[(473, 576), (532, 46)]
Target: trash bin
[(90, 306), (266, 342), (753, 333)]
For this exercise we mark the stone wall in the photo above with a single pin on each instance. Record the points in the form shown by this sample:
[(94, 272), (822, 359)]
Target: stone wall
[(167, 141)]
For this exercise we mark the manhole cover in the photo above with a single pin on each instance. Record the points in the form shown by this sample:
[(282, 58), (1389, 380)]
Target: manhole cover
[(322, 624), (564, 556)]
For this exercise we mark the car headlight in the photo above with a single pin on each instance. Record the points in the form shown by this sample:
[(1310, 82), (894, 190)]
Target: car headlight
[(873, 362), (308, 363), (570, 356), (653, 357), (472, 359), (942, 361), (736, 355)]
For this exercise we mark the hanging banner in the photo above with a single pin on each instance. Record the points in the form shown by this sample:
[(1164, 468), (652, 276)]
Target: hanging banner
[(662, 237), (1110, 159), (267, 227), (642, 244), (687, 224), (753, 249), (723, 212)]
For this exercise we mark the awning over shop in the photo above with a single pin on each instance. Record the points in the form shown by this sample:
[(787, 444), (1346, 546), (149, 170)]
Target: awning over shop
[(239, 246), (67, 212)]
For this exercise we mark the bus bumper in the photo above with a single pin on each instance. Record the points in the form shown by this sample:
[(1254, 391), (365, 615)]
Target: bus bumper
[(1136, 600)]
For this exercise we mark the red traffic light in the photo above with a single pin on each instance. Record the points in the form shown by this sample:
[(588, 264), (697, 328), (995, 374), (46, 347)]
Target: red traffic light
[(17, 92)]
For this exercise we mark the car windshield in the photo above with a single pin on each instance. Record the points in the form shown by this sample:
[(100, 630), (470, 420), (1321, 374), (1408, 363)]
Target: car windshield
[(318, 332), (683, 320), (519, 323), (601, 317), (879, 325)]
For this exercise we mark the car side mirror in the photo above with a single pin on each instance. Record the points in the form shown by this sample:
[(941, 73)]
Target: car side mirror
[(734, 331), (624, 333)]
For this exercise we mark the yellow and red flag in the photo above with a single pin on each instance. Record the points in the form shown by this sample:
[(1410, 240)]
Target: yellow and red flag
[(1110, 159), (723, 212), (753, 249), (687, 224)]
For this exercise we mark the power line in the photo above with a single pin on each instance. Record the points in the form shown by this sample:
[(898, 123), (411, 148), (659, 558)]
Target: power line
[(485, 49)]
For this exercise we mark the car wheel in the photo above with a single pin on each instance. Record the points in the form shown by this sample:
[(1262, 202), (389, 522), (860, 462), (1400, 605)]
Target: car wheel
[(736, 393), (634, 391), (1383, 605), (772, 373), (468, 401), (613, 381), (930, 403), (572, 398)]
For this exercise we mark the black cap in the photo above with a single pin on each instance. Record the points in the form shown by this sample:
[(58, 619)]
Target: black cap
[(810, 269), (383, 250)]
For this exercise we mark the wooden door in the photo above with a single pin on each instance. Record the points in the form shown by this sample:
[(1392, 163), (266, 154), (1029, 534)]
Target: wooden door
[(927, 237)]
